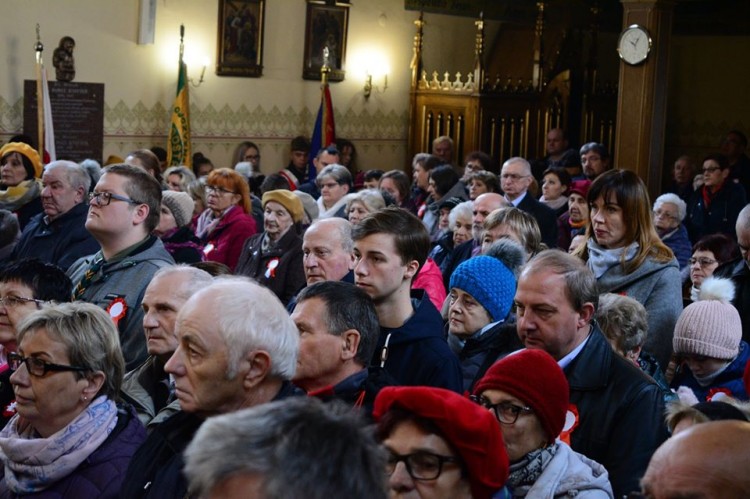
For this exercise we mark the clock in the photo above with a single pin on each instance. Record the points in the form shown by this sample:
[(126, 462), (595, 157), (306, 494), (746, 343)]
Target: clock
[(634, 44)]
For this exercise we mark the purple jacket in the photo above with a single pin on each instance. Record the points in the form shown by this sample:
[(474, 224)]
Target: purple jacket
[(101, 475)]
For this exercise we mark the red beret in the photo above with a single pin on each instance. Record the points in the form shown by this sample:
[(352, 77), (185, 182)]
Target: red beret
[(580, 187), (469, 428), (534, 378)]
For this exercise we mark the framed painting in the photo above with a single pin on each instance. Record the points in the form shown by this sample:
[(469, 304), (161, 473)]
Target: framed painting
[(325, 28), (240, 46)]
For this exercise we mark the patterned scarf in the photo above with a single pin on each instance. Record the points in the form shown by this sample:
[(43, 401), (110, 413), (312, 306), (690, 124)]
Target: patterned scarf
[(33, 463), (207, 223), (13, 198), (524, 473)]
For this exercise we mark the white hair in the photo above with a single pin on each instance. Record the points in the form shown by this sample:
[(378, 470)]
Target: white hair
[(250, 317), (465, 210), (675, 200)]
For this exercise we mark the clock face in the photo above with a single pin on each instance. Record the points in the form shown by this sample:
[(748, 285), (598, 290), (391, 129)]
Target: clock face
[(634, 45)]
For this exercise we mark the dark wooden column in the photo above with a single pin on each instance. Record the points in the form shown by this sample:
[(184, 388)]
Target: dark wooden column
[(642, 99)]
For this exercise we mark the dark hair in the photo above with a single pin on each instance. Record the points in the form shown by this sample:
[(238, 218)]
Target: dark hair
[(488, 178), (47, 282), (561, 173), (724, 248), (720, 160), (347, 307), (445, 177), (8, 228), (487, 161), (631, 196), (273, 182), (341, 144), (411, 239), (597, 148), (141, 187), (150, 162), (160, 152), (403, 185), (740, 135), (373, 175), (26, 162), (199, 160)]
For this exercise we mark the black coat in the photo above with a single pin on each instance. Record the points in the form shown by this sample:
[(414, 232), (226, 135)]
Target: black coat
[(720, 216), (621, 411), (738, 271), (60, 242), (288, 276), (544, 216)]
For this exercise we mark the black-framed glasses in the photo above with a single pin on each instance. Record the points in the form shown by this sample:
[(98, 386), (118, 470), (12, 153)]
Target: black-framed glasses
[(104, 198), (39, 367), (505, 412), (711, 169), (420, 465), (14, 301), (218, 190)]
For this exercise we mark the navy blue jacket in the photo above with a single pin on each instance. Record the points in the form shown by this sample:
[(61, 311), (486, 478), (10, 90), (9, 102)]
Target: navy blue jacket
[(60, 242), (544, 216), (101, 474), (729, 381), (417, 353), (720, 216)]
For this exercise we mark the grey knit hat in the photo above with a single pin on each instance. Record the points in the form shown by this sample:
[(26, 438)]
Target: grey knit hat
[(711, 326), (180, 204)]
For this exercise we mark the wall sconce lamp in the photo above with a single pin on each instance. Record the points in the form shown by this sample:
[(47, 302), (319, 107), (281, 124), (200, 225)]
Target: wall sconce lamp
[(369, 86), (203, 73)]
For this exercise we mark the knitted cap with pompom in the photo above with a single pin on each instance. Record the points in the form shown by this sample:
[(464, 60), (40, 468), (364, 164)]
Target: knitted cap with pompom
[(711, 326)]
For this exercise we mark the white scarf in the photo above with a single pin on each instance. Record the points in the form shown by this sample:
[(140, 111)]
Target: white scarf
[(33, 463)]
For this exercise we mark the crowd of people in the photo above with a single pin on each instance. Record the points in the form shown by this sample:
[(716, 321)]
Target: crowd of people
[(532, 329)]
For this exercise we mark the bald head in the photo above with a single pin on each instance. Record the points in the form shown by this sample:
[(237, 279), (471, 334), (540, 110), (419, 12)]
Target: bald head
[(700, 461), (485, 204), (743, 233)]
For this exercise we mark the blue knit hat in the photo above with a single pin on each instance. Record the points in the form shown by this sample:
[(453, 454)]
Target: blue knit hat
[(489, 282)]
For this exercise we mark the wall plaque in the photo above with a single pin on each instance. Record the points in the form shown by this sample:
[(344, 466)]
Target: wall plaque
[(77, 116)]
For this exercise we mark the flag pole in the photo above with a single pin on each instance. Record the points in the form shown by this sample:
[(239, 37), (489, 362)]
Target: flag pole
[(39, 47)]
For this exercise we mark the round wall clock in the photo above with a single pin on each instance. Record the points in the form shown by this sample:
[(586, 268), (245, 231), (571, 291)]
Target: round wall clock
[(634, 44)]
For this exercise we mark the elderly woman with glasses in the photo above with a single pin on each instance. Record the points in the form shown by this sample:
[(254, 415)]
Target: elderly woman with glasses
[(527, 393), (669, 212), (226, 223), (439, 444), (20, 187), (70, 438), (709, 253)]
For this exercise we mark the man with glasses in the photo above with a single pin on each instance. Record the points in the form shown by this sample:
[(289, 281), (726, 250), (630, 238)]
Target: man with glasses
[(439, 444), (616, 410), (515, 179), (58, 235), (123, 211), (25, 286)]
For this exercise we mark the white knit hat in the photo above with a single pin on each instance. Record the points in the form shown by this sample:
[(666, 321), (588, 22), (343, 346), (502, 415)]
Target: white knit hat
[(710, 326)]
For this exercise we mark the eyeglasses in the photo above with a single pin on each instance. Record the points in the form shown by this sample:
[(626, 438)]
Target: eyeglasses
[(218, 190), (14, 301), (512, 176), (702, 262), (665, 214), (252, 157), (104, 198), (329, 185), (38, 367), (505, 412), (420, 465), (711, 169)]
